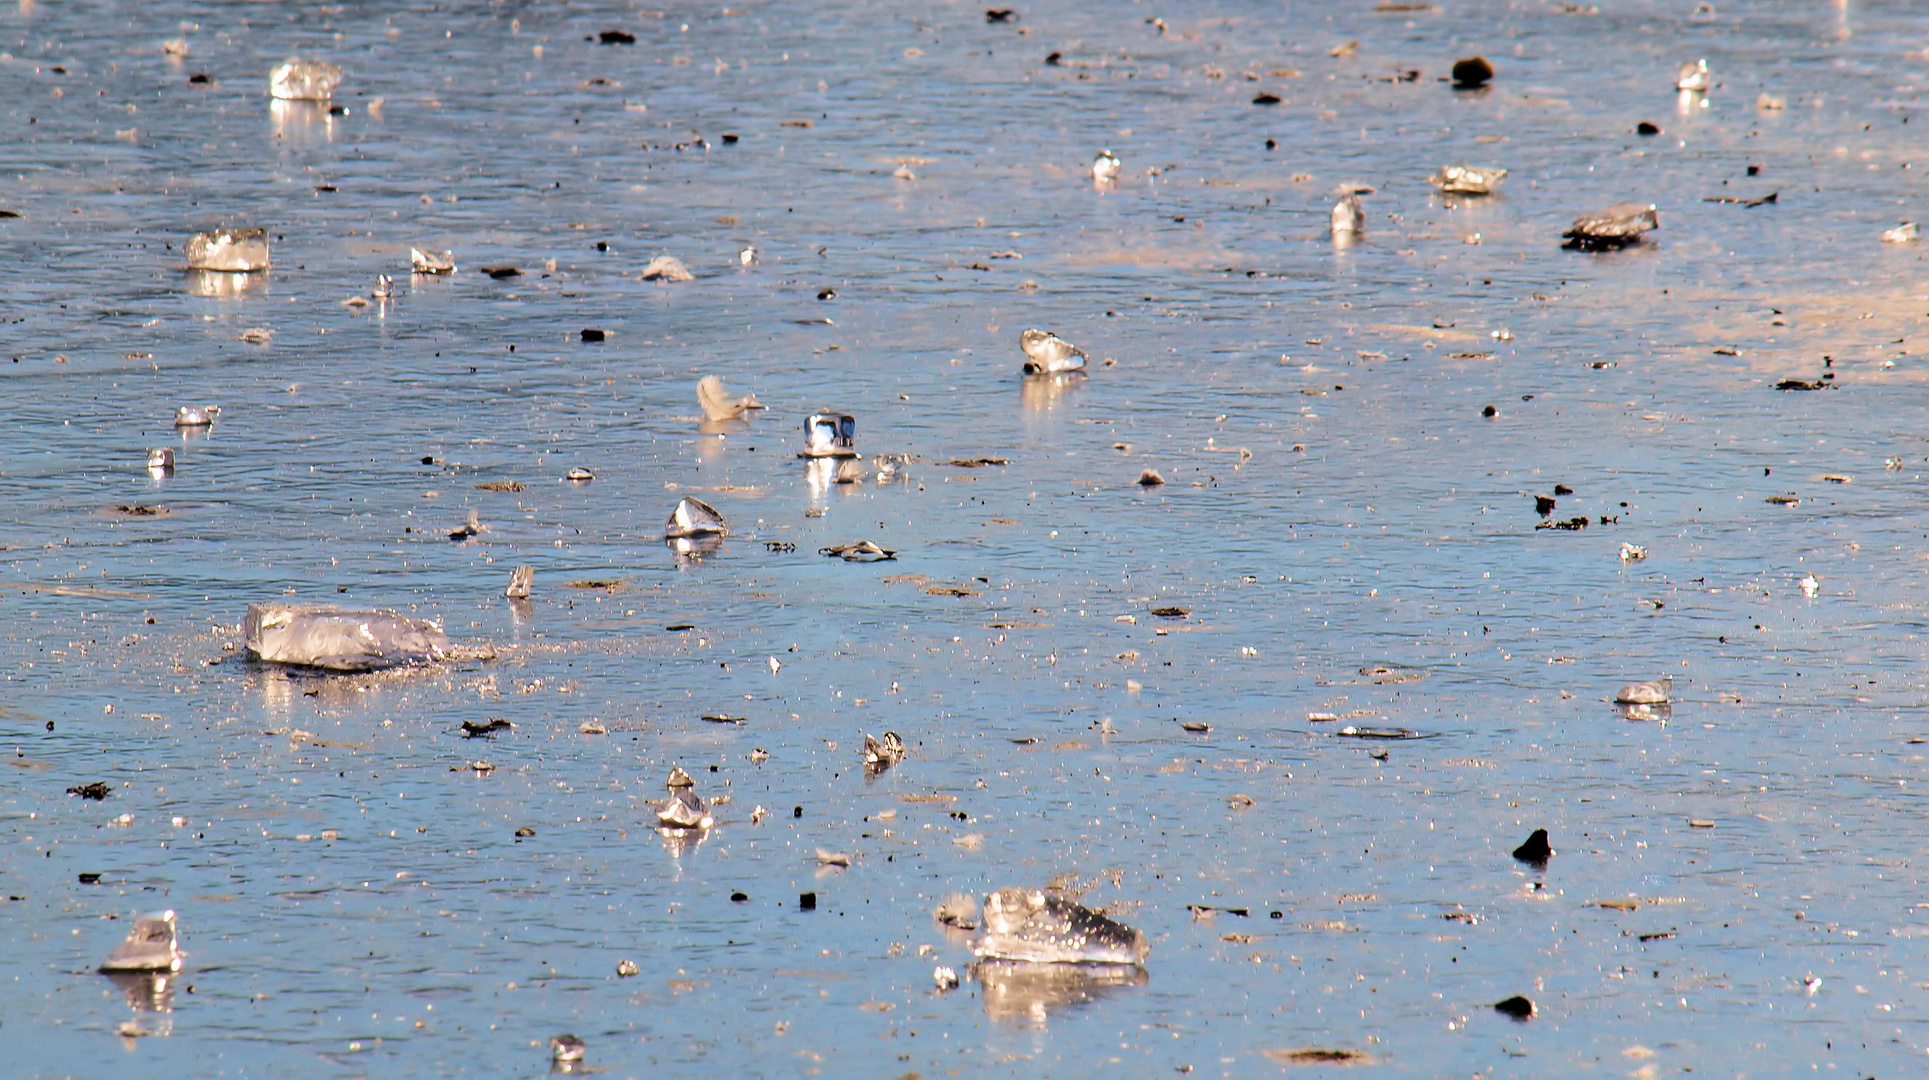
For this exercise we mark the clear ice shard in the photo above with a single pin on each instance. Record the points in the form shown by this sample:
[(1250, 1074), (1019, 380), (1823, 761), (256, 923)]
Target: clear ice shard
[(694, 517), (1046, 353), (829, 435), (323, 637), (152, 945), (1026, 924), (430, 261), (233, 251), (304, 80)]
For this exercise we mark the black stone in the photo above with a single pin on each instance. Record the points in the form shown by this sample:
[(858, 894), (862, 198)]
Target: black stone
[(739, 898), (593, 335), (1000, 15), (1471, 72), (1647, 128), (1515, 1008), (807, 901), (1535, 850), (1563, 489), (96, 791), (616, 37), (1543, 505)]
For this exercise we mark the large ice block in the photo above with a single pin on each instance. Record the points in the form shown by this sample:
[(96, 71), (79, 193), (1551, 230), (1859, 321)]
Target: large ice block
[(323, 637)]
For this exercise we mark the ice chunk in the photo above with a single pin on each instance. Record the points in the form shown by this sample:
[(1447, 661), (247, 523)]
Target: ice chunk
[(304, 80), (1694, 75), (152, 945), (1646, 693), (694, 517), (1467, 179), (188, 416), (1106, 168), (324, 637), (234, 251), (160, 462), (520, 580), (829, 435), (1046, 353), (718, 404), (666, 268), (684, 809), (1615, 227), (1025, 924), (431, 261)]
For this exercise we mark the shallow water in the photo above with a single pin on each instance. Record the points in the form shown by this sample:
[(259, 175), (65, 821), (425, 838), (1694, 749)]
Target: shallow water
[(389, 921)]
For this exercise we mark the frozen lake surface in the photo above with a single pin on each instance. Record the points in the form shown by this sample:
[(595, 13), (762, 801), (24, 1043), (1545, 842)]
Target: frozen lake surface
[(1352, 442)]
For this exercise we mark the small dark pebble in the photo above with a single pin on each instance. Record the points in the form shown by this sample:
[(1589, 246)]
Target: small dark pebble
[(1266, 99), (593, 335), (90, 879), (1543, 505), (525, 831), (472, 728), (1054, 58), (616, 37), (1000, 15), (1278, 915), (500, 273), (1515, 1008), (827, 294), (1563, 489), (729, 138), (807, 901), (1471, 72), (338, 110), (1754, 170), (796, 811), (96, 791), (427, 460), (1490, 412), (1801, 384), (201, 78), (680, 627), (1171, 612), (602, 245), (1647, 128), (1271, 145), (1536, 849), (739, 898)]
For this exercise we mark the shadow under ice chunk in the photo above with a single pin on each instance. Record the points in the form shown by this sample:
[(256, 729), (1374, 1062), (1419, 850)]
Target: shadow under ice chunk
[(322, 637)]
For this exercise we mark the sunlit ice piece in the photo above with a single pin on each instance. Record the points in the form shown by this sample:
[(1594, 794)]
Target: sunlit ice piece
[(322, 637), (152, 945), (304, 80), (234, 251), (829, 435)]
